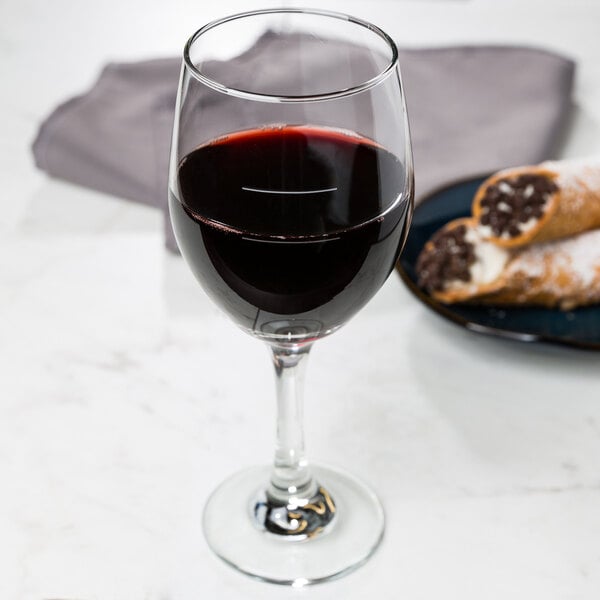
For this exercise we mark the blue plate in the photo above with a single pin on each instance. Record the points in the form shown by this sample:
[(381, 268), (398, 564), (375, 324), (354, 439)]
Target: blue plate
[(579, 327)]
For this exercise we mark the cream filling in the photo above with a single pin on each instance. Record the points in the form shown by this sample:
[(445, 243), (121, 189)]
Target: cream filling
[(490, 260)]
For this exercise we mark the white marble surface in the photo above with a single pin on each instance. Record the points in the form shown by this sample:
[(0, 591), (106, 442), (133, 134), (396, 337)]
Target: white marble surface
[(125, 397)]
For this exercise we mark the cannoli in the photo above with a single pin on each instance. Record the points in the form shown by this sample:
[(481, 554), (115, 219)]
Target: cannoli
[(459, 265), (540, 203)]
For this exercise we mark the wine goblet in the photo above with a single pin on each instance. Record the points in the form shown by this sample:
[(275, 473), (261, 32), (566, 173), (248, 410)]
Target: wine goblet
[(290, 194)]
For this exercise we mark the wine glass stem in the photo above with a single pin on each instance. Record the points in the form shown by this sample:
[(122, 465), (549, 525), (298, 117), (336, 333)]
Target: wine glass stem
[(291, 481)]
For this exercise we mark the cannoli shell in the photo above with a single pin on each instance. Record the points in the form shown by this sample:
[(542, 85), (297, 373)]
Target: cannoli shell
[(562, 273), (572, 209)]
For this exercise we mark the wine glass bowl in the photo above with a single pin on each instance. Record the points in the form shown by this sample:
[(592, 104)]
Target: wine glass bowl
[(290, 194)]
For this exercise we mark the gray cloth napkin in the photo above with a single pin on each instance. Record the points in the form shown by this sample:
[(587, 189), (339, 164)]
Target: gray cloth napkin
[(473, 110)]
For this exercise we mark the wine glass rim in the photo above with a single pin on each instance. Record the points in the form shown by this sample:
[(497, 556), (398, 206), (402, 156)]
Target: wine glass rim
[(349, 91)]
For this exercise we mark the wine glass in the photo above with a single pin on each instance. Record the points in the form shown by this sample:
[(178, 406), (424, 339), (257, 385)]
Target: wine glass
[(290, 194)]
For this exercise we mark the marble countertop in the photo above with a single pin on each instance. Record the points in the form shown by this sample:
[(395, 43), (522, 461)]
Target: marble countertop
[(125, 397)]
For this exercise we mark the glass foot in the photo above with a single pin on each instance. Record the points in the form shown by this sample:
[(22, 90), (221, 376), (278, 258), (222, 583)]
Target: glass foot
[(349, 532)]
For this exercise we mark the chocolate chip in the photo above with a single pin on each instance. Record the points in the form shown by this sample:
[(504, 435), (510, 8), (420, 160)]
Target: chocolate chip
[(519, 201), (537, 212), (447, 258)]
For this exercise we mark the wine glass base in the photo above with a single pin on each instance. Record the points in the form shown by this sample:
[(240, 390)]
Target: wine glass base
[(350, 540)]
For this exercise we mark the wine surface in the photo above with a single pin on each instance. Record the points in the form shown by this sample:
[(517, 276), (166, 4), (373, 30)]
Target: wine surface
[(290, 229)]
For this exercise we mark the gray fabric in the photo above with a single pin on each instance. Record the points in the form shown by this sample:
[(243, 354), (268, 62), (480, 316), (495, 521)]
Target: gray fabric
[(473, 110)]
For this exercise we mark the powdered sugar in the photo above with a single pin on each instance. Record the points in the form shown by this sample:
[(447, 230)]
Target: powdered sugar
[(572, 261), (579, 174)]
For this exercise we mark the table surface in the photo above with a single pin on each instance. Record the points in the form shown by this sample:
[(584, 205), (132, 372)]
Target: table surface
[(125, 397)]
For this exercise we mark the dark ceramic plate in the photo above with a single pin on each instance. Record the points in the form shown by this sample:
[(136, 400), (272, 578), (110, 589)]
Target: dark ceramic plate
[(579, 327)]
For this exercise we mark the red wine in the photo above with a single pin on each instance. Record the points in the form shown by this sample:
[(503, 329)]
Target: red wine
[(290, 229)]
